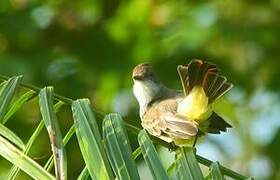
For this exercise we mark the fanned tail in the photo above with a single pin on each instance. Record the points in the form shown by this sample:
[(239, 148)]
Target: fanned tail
[(206, 75), (199, 73)]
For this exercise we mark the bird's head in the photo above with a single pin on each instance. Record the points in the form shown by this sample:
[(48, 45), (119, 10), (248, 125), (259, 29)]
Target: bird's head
[(143, 72), (146, 85)]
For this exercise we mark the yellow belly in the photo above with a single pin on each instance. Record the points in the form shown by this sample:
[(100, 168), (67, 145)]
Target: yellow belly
[(195, 105)]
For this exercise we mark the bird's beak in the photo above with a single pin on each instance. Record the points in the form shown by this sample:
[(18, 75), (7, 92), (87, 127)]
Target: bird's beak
[(137, 77)]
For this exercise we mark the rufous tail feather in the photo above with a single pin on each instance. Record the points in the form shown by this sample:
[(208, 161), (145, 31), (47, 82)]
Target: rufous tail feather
[(199, 73)]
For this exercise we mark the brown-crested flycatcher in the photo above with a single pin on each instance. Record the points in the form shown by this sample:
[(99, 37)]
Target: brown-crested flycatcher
[(179, 117)]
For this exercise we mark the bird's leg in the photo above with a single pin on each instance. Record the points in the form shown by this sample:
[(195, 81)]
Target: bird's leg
[(172, 146), (194, 143)]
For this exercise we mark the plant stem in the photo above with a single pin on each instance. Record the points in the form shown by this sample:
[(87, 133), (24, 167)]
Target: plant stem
[(225, 170), (135, 131)]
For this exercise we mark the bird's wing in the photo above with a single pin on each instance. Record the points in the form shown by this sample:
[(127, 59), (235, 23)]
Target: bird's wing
[(180, 128), (161, 120)]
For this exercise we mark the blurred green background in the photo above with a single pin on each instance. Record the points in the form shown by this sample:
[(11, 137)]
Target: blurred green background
[(87, 48)]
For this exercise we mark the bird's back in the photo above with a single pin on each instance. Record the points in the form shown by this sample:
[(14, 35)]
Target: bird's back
[(161, 106)]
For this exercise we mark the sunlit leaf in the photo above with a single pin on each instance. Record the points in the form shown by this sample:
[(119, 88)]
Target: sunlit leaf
[(6, 95), (66, 139), (215, 172), (18, 104), (90, 141), (2, 84), (186, 165), (151, 157), (18, 158), (12, 174), (84, 174), (136, 153), (9, 135), (118, 148), (51, 123)]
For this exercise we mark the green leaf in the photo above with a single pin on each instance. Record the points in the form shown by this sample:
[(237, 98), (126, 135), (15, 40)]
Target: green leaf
[(2, 84), (250, 178), (186, 165), (118, 148), (224, 170), (84, 174), (51, 123), (207, 177), (215, 172), (175, 175), (18, 104), (136, 153), (66, 139), (90, 140), (171, 171), (18, 158), (150, 156), (15, 170), (9, 135), (6, 94)]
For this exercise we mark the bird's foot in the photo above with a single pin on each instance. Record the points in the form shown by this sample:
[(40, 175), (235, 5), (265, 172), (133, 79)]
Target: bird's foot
[(172, 146)]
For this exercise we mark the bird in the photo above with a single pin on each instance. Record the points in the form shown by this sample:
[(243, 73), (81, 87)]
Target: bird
[(180, 116)]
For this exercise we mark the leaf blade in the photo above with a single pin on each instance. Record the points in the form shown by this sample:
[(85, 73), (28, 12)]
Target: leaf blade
[(15, 156), (12, 174), (186, 165), (6, 94), (18, 104), (12, 137), (66, 139), (89, 140), (51, 123), (215, 172), (118, 148), (84, 175), (136, 153), (150, 156)]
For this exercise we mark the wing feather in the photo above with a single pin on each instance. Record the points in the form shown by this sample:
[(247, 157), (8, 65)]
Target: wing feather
[(180, 127)]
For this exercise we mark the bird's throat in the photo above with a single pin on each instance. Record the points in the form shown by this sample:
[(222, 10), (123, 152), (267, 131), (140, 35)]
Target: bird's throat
[(145, 92)]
